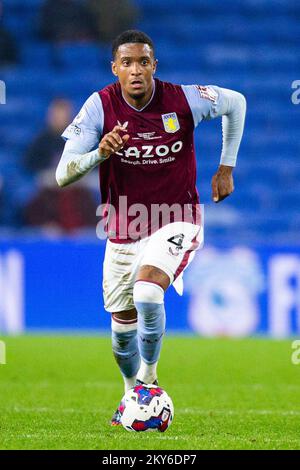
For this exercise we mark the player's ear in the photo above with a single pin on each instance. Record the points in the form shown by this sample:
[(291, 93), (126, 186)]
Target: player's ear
[(155, 62), (114, 68)]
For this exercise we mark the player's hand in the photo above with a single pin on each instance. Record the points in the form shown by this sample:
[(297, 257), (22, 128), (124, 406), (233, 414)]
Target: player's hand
[(222, 183), (113, 141)]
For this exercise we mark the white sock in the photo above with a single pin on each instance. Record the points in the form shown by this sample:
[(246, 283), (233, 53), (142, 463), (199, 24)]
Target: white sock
[(147, 372)]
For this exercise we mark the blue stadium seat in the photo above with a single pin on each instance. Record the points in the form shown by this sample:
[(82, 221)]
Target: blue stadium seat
[(37, 55), (78, 56), (16, 5)]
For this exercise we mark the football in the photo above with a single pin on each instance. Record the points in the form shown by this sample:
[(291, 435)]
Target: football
[(146, 408)]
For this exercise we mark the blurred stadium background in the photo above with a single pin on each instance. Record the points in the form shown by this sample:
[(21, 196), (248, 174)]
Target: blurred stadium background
[(246, 281)]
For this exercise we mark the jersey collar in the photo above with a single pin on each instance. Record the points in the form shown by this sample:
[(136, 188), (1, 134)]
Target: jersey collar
[(147, 104)]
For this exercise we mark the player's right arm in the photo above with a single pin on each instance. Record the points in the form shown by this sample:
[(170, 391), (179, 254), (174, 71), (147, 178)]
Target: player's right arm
[(82, 150)]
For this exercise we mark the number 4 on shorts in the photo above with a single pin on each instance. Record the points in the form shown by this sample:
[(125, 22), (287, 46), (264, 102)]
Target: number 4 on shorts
[(177, 240)]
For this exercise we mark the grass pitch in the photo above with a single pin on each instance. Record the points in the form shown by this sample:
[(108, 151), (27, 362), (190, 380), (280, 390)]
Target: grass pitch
[(60, 393)]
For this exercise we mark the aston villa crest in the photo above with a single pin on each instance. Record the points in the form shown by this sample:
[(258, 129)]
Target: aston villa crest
[(171, 123)]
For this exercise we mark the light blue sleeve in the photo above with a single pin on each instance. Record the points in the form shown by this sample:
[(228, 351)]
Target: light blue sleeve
[(86, 129), (206, 102)]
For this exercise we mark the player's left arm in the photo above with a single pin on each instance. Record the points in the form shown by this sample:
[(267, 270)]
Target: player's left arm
[(210, 102)]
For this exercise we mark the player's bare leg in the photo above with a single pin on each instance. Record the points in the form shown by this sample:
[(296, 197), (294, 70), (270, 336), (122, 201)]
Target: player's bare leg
[(125, 349), (148, 295)]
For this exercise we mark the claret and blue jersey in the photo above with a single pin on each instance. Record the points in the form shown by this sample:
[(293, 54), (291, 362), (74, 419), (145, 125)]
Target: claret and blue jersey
[(157, 165)]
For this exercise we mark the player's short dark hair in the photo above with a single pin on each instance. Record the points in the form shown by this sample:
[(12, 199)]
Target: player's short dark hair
[(131, 35)]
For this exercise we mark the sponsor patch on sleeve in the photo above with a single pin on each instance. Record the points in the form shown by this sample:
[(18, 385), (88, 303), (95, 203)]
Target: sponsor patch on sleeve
[(74, 129), (207, 93)]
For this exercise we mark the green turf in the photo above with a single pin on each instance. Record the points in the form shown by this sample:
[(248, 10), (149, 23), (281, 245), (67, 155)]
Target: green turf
[(60, 392)]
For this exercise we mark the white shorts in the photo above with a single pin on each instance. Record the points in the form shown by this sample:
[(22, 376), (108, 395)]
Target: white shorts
[(170, 249)]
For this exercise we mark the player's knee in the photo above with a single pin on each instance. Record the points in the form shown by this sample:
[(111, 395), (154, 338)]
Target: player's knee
[(153, 274), (126, 315), (147, 292)]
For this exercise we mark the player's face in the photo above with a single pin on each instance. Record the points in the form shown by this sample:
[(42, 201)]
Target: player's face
[(135, 66)]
